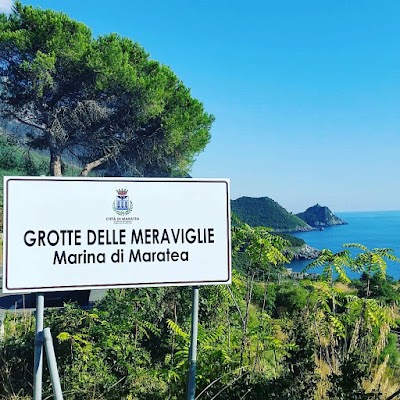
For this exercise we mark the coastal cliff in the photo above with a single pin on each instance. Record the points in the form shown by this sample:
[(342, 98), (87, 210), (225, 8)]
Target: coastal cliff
[(320, 216), (304, 252)]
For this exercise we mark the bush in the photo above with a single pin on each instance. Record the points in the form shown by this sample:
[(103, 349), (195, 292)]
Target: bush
[(8, 155), (291, 298)]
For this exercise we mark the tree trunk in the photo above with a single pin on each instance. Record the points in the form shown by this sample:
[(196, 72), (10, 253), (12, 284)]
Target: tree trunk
[(55, 154), (333, 296), (368, 288), (55, 164), (249, 292)]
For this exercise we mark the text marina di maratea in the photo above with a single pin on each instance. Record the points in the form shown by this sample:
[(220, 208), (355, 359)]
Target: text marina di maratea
[(112, 237)]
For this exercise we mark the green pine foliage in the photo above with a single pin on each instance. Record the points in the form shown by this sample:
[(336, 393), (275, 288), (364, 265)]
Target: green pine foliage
[(99, 100)]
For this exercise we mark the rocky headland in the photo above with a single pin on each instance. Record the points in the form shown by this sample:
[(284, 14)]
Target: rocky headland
[(263, 211), (320, 217)]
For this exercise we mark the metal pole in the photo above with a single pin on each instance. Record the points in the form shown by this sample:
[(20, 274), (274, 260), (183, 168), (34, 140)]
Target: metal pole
[(191, 388), (52, 363), (38, 356)]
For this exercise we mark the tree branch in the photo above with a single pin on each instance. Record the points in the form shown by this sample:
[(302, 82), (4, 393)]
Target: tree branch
[(29, 123), (394, 395), (94, 164)]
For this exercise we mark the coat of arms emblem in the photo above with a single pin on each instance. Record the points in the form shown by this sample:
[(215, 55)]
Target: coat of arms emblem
[(122, 205)]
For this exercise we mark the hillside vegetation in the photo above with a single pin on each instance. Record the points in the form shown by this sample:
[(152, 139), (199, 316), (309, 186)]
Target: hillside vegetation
[(264, 336), (264, 211), (17, 160)]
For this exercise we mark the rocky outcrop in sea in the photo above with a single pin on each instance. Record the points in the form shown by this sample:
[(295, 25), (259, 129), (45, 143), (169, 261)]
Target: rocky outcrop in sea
[(304, 252), (320, 217)]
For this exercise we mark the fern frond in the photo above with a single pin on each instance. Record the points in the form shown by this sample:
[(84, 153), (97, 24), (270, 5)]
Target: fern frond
[(176, 329)]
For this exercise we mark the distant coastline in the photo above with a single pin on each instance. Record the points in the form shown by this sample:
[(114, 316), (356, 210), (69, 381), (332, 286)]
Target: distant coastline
[(374, 229)]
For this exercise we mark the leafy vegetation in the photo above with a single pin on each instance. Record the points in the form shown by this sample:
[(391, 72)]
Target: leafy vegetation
[(264, 211), (263, 335), (16, 160), (293, 240)]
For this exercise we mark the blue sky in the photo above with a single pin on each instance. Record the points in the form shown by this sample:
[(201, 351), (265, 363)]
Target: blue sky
[(306, 94)]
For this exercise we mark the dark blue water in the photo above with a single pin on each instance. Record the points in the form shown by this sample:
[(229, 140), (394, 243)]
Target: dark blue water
[(372, 229)]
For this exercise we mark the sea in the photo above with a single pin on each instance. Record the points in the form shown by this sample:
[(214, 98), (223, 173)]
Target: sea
[(373, 229)]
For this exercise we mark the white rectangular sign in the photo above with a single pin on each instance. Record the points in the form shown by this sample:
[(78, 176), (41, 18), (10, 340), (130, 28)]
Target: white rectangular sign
[(90, 233)]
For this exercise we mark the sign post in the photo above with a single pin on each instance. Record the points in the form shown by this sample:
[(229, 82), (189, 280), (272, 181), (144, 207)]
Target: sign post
[(191, 388), (38, 354), (52, 363)]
